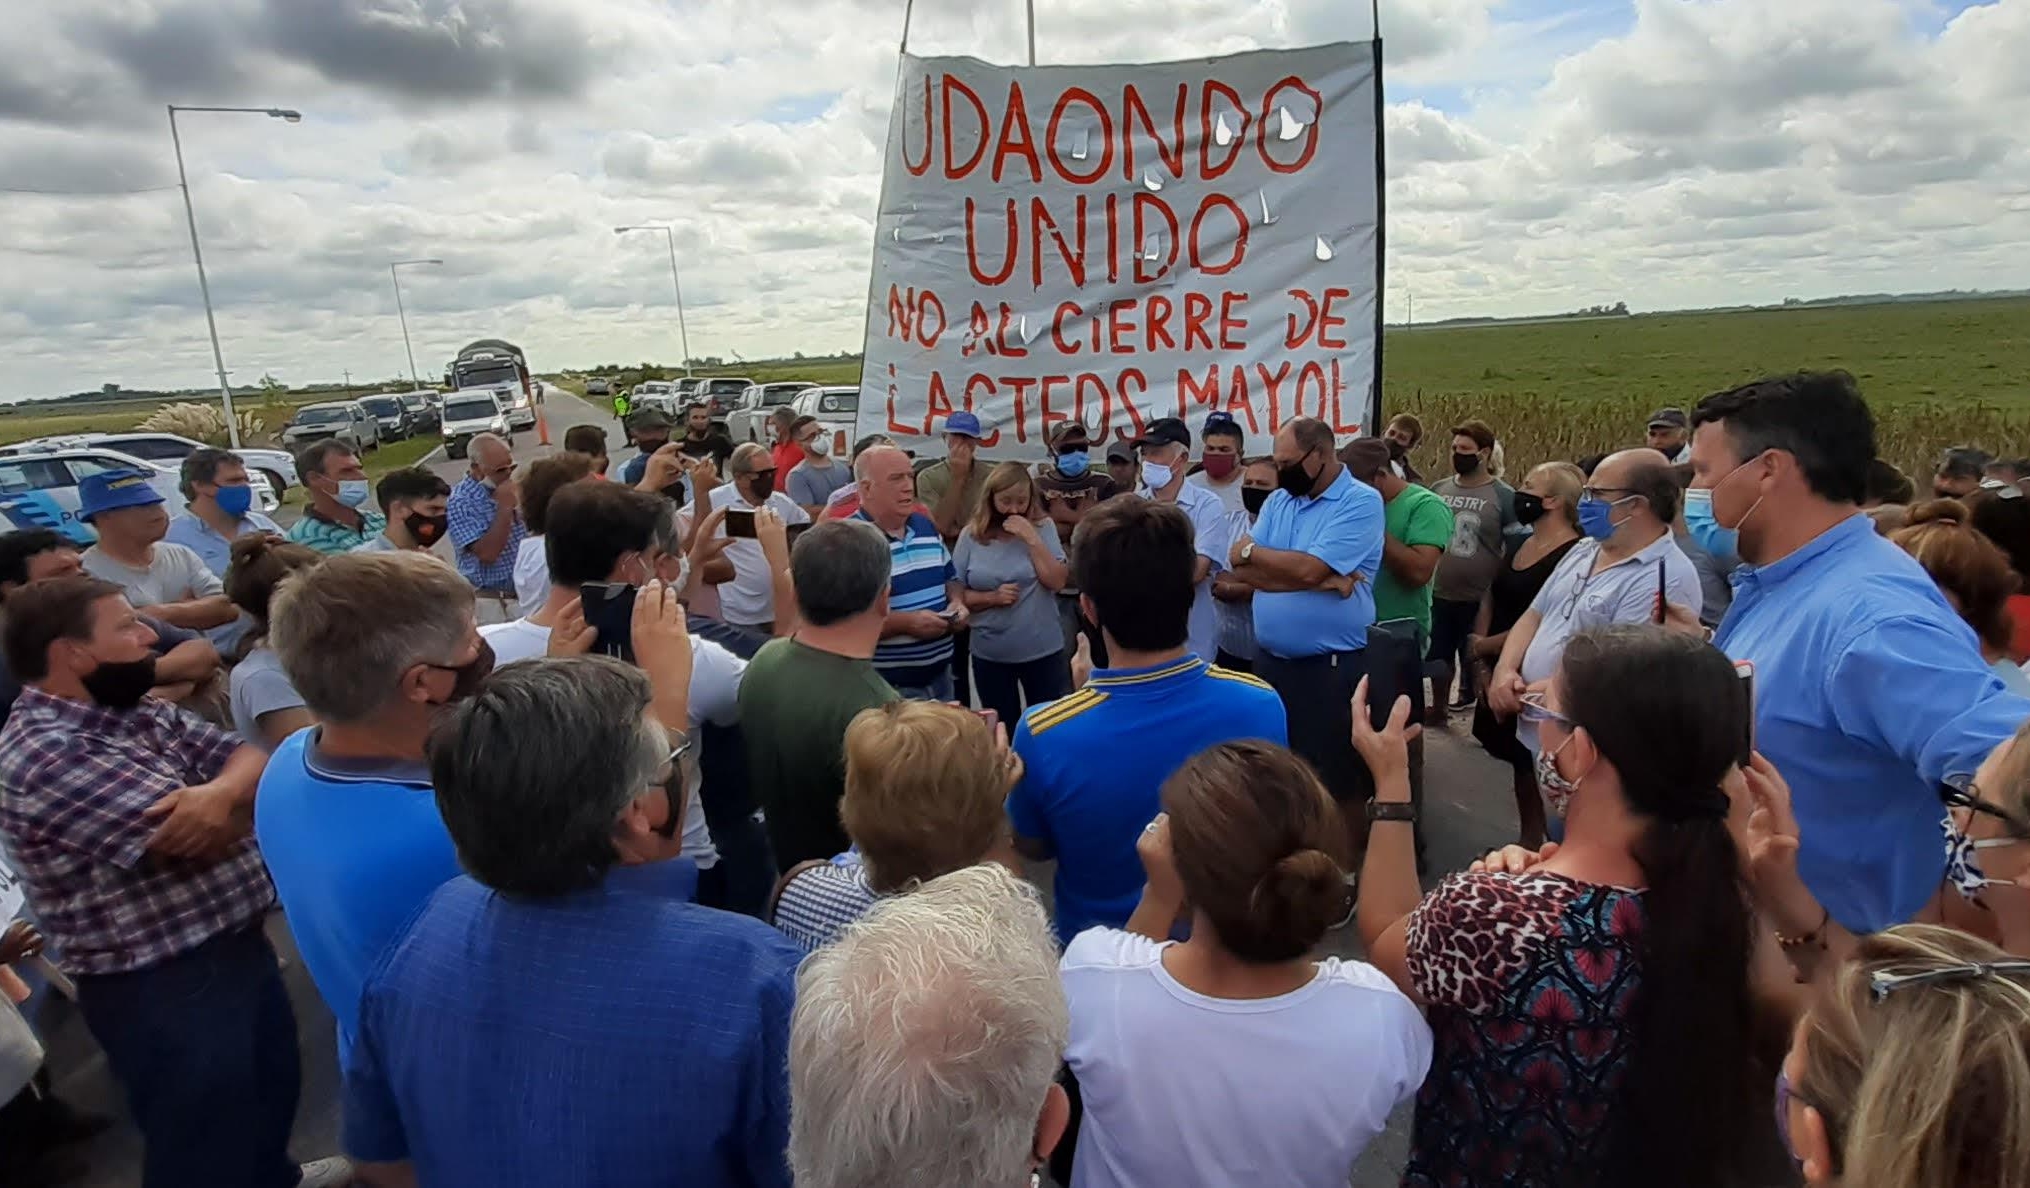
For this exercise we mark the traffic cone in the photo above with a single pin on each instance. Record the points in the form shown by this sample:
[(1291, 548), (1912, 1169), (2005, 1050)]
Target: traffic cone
[(542, 428)]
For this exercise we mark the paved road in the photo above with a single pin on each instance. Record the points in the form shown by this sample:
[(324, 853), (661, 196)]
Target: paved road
[(1468, 811)]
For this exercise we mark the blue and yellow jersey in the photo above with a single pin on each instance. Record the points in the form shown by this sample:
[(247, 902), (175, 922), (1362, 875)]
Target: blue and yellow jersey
[(1094, 763)]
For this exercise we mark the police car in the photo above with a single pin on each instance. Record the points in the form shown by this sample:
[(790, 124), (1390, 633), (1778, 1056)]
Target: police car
[(39, 487)]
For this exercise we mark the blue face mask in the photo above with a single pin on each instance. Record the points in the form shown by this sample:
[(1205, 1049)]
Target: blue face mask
[(1596, 518), (1073, 465), (1705, 530), (235, 501), (354, 492)]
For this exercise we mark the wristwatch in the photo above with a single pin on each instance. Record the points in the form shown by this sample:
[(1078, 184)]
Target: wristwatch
[(1391, 810), (1247, 552)]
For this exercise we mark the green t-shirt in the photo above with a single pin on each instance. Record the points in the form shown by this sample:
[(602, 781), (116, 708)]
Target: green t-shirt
[(1415, 517), (795, 705)]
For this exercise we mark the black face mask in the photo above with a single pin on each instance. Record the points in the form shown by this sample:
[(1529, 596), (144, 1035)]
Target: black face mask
[(467, 678), (120, 684), (1295, 479), (426, 530), (1528, 508), (1253, 498), (1397, 450), (1465, 464)]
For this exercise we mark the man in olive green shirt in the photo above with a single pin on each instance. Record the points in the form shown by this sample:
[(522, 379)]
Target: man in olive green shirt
[(800, 693), (951, 490)]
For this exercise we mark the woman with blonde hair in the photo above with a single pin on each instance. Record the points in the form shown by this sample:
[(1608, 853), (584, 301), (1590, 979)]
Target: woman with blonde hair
[(1010, 572), (925, 788), (1548, 504), (1973, 574), (1912, 1069)]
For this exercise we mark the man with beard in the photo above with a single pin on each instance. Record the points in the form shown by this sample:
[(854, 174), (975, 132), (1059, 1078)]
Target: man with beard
[(377, 644), (129, 822)]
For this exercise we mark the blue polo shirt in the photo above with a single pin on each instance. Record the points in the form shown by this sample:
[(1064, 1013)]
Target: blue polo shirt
[(1094, 762), (600, 1038), (916, 582), (1869, 692), (216, 551), (354, 847), (1343, 527)]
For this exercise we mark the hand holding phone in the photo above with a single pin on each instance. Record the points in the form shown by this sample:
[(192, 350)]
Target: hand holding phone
[(609, 610), (740, 523)]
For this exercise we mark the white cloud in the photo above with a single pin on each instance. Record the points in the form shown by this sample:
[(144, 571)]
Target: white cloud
[(1665, 152)]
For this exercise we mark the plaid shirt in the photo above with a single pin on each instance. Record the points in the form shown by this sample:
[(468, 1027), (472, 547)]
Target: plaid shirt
[(471, 509), (74, 779)]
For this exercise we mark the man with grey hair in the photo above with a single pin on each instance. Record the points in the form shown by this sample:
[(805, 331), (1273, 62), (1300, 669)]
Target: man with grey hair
[(800, 693), (748, 600), (485, 525), (537, 1023), (377, 644), (926, 1042), (925, 609)]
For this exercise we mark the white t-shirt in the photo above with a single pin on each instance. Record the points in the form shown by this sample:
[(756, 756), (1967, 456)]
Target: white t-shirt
[(176, 574), (715, 698), (532, 575), (1183, 1090), (749, 599)]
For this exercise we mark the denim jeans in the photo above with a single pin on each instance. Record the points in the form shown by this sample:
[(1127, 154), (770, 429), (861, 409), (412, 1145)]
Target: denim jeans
[(204, 1046), (1008, 688)]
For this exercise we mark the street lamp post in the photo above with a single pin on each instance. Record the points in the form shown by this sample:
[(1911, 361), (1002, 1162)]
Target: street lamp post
[(676, 282), (415, 381), (197, 253)]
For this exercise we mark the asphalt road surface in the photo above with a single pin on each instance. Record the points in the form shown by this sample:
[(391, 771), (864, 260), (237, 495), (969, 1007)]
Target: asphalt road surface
[(1468, 810)]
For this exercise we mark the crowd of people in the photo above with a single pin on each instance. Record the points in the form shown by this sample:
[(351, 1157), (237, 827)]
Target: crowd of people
[(691, 820)]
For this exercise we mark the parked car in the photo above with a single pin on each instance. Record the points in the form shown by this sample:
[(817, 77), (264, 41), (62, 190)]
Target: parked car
[(346, 421), (749, 421), (166, 451), (687, 387), (655, 394), (390, 414), (39, 489), (720, 393), (599, 385), (836, 410), (423, 414), (468, 414)]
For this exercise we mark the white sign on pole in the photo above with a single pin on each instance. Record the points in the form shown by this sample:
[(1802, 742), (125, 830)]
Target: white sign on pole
[(1114, 244)]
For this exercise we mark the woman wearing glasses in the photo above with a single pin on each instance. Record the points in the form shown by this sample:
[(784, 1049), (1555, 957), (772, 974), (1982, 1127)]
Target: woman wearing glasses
[(1912, 1068), (1591, 1015)]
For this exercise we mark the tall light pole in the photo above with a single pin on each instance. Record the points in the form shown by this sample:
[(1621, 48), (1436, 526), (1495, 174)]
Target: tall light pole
[(414, 380), (676, 281), (197, 253)]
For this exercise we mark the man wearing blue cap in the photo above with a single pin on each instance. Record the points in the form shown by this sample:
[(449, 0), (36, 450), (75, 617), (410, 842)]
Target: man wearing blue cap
[(951, 490), (170, 580)]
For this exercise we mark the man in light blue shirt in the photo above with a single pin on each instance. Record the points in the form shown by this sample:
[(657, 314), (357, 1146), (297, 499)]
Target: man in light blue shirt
[(221, 508), (1312, 562), (1870, 692)]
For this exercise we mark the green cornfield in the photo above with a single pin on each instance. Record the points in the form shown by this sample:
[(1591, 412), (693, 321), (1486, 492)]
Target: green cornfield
[(1935, 374)]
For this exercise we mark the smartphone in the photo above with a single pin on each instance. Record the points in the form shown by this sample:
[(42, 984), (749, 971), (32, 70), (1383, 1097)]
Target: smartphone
[(609, 609), (792, 531), (950, 614), (1745, 669), (740, 523), (1395, 669)]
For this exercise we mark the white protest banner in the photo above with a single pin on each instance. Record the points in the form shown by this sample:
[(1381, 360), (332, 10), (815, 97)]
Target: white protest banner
[(1114, 244)]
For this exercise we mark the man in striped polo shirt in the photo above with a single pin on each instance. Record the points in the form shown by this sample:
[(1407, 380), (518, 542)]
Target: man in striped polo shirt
[(924, 609)]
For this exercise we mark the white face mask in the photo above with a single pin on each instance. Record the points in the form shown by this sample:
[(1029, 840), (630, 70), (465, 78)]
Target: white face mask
[(821, 445), (1155, 475)]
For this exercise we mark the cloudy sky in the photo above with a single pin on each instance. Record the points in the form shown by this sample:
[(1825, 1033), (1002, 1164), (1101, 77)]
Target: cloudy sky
[(1543, 155)]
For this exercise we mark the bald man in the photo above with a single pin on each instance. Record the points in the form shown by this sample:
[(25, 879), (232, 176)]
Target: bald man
[(486, 527), (1612, 576), (924, 605)]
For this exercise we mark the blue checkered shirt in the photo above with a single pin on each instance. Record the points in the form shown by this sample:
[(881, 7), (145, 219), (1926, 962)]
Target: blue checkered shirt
[(471, 510)]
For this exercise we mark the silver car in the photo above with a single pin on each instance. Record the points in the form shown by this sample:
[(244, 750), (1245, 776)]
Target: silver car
[(345, 421)]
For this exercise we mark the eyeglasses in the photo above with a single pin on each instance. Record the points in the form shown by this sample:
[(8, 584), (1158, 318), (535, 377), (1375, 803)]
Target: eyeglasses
[(1881, 983), (1960, 792), (1535, 710), (1600, 492)]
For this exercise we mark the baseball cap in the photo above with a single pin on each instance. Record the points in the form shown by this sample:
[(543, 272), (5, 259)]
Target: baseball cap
[(1121, 451), (964, 424), (648, 418), (114, 490), (1065, 434), (1669, 418), (1165, 431)]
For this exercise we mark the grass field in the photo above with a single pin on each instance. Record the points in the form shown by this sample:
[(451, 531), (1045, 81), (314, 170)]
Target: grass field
[(1935, 374)]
